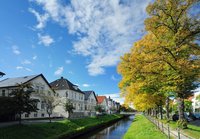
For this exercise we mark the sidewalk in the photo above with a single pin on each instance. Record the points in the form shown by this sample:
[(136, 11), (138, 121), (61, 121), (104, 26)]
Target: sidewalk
[(168, 130)]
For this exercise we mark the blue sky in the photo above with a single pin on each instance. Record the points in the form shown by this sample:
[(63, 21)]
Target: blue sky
[(80, 40)]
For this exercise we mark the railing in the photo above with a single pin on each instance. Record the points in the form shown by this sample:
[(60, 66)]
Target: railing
[(167, 130)]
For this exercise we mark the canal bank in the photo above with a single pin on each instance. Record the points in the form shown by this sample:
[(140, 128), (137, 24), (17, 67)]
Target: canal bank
[(93, 130), (114, 130), (61, 129)]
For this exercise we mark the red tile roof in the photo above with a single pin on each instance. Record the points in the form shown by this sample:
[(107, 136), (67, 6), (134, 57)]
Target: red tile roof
[(100, 99)]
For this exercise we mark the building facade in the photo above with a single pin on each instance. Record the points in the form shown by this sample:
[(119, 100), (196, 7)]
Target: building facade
[(39, 84), (67, 91), (90, 103), (103, 102)]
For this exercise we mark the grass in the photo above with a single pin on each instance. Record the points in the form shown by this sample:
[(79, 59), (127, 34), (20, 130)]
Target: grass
[(53, 130), (142, 128), (192, 130)]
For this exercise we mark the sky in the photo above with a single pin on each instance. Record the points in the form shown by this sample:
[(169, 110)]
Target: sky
[(81, 40)]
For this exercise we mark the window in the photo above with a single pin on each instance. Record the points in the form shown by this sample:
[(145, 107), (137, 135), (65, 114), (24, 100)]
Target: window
[(41, 89), (26, 115), (37, 88), (35, 114), (49, 93), (42, 105), (66, 94), (79, 107), (3, 93), (42, 114)]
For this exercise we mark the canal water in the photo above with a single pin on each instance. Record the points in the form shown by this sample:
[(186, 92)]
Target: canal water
[(115, 131)]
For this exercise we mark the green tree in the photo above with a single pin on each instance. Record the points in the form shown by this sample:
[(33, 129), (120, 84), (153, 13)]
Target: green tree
[(177, 31), (69, 108), (99, 108), (22, 102), (50, 100)]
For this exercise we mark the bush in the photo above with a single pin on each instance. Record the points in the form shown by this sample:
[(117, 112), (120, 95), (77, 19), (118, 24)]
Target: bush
[(182, 124)]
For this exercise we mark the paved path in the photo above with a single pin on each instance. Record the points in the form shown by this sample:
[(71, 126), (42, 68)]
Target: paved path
[(164, 128)]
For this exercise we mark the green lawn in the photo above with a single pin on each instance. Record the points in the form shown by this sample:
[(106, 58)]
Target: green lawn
[(52, 130), (142, 128)]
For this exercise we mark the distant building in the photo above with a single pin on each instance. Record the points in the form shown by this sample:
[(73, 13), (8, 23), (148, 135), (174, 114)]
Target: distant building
[(40, 85), (196, 103), (102, 101), (69, 91), (90, 103)]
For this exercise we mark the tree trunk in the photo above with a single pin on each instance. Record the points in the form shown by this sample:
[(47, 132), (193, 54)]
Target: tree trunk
[(68, 114), (50, 118), (20, 119), (181, 108), (167, 108), (161, 112)]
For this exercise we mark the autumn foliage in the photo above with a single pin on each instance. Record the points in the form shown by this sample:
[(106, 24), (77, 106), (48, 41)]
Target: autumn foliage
[(166, 61)]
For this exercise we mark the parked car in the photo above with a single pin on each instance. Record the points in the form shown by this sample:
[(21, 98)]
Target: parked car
[(175, 117), (197, 115)]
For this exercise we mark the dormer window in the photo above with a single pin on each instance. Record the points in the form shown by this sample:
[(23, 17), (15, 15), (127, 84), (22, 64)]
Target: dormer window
[(75, 87)]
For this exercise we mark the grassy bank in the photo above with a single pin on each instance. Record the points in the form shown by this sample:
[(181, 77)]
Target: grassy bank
[(141, 128), (53, 130), (192, 130)]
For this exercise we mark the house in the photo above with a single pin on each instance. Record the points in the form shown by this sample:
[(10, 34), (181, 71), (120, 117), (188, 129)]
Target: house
[(103, 102), (39, 84), (90, 103), (113, 106), (67, 91), (196, 103)]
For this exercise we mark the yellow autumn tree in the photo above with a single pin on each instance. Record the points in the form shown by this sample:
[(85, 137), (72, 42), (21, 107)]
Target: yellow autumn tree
[(167, 58)]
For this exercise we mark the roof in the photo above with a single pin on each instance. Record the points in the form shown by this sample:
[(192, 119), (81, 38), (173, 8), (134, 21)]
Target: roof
[(63, 84), (87, 94), (100, 99), (12, 82)]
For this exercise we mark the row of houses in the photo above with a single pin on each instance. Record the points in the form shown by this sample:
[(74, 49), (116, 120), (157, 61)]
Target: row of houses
[(84, 102)]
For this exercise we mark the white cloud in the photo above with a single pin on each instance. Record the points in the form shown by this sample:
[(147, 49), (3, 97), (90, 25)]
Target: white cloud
[(86, 85), (46, 40), (34, 57), (26, 62), (116, 97), (59, 71), (114, 78), (42, 19), (15, 50), (19, 67), (68, 61), (23, 68), (106, 29)]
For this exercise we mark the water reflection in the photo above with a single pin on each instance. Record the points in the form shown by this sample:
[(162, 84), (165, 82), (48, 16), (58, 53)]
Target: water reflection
[(115, 131)]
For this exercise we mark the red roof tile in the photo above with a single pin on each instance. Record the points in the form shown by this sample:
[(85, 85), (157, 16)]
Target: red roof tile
[(100, 99)]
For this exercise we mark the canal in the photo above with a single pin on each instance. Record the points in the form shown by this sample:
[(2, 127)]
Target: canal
[(115, 131)]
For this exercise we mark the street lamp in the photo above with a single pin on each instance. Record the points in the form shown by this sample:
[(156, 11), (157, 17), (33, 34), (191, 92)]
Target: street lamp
[(2, 74)]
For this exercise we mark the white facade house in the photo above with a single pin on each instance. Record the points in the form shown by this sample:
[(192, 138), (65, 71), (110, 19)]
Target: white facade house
[(67, 91), (39, 84), (90, 103), (103, 102), (196, 103)]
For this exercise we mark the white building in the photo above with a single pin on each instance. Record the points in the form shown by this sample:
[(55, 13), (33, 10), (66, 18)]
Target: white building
[(103, 102), (90, 103), (196, 103), (68, 91), (39, 84)]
